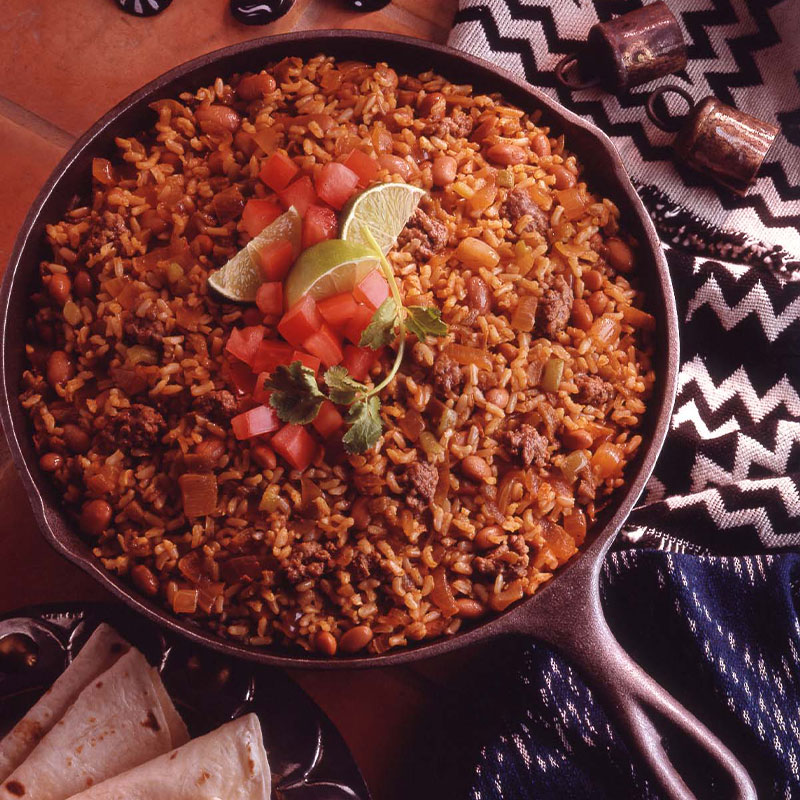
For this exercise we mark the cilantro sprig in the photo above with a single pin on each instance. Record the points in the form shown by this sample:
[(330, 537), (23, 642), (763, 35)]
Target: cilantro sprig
[(295, 394), (297, 397)]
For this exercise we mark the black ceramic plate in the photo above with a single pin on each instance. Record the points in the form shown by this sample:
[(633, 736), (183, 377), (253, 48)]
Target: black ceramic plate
[(308, 758)]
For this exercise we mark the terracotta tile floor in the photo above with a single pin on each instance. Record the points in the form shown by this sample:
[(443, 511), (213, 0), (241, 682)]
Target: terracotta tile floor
[(64, 64)]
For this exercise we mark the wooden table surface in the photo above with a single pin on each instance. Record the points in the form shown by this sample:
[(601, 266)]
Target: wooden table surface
[(64, 64)]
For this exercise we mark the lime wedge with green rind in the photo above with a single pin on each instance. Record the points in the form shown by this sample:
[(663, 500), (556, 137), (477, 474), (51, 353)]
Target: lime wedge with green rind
[(384, 209), (330, 267), (238, 280)]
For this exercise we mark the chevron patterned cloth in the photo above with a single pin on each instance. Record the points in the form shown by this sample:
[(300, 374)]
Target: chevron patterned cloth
[(726, 489)]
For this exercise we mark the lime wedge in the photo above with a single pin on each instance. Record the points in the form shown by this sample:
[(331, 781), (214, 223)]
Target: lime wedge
[(328, 268), (385, 209), (240, 277)]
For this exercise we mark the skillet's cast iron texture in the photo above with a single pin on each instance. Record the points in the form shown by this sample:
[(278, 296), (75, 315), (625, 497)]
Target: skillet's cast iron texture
[(566, 611)]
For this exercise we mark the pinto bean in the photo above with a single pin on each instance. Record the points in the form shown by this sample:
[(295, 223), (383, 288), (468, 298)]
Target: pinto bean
[(597, 303), (506, 154), (50, 462), (395, 165), (476, 468), (479, 297), (581, 314), (498, 397), (76, 439), (59, 288), (59, 368), (356, 639), (83, 284), (325, 643), (95, 516), (620, 255), (444, 170), (564, 178), (540, 145), (251, 87), (223, 116), (579, 439), (144, 580), (433, 105)]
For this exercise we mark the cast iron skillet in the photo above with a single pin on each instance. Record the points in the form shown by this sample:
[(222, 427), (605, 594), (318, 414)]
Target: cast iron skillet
[(566, 612)]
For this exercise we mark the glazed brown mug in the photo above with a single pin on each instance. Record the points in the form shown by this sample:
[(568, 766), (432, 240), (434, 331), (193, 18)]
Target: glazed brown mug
[(716, 139), (627, 51)]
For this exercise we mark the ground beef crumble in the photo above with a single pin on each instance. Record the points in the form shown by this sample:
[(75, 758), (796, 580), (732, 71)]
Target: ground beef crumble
[(147, 330), (593, 390), (138, 427), (447, 375), (510, 559), (423, 235), (527, 445), (519, 204), (554, 309), (459, 126), (423, 478), (308, 560), (218, 406), (105, 228), (364, 565)]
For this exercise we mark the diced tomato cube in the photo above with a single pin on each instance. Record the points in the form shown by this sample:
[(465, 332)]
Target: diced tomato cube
[(359, 360), (307, 360), (335, 184), (299, 194), (258, 214), (271, 353), (243, 342), (295, 444), (278, 171), (338, 309), (260, 392), (252, 316), (240, 375), (300, 321), (325, 345), (255, 422), (363, 165), (328, 420), (319, 224), (269, 298), (372, 289), (362, 316), (274, 259)]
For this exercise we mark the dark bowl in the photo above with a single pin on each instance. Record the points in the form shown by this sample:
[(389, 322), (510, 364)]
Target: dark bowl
[(605, 172)]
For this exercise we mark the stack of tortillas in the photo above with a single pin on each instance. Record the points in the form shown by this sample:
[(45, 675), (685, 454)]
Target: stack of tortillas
[(107, 730)]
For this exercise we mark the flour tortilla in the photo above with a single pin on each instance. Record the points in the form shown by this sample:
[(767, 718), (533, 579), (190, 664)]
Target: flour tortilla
[(103, 648), (228, 763), (122, 719)]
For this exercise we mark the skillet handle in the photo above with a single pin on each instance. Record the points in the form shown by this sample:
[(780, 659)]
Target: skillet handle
[(629, 694)]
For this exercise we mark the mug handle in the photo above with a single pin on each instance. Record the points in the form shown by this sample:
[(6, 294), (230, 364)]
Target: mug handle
[(569, 616), (667, 123), (566, 71)]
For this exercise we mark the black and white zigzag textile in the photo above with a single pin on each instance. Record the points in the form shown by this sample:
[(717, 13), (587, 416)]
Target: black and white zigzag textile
[(728, 480)]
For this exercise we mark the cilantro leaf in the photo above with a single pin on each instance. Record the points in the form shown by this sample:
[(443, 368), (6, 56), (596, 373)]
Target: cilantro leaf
[(295, 394), (380, 330), (365, 425), (425, 321), (343, 389)]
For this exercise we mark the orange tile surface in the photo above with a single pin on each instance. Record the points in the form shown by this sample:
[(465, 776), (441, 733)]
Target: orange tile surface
[(29, 160), (65, 62)]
